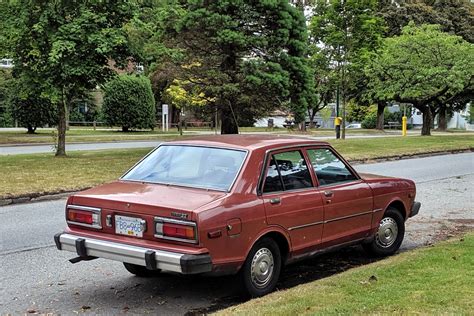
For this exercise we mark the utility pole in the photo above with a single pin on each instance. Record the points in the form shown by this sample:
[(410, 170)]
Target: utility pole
[(344, 61)]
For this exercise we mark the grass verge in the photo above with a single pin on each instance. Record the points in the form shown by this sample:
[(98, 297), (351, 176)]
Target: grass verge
[(427, 281), (82, 135), (370, 148), (43, 173)]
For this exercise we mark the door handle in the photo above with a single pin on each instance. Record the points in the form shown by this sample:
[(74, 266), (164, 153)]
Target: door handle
[(328, 194), (275, 201)]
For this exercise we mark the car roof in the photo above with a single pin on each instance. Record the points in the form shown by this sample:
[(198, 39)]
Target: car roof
[(248, 141)]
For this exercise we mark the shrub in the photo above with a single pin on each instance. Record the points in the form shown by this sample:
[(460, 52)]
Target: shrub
[(129, 103), (370, 119), (29, 107)]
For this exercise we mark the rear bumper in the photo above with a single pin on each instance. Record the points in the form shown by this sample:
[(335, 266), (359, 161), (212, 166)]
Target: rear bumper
[(415, 209), (153, 259)]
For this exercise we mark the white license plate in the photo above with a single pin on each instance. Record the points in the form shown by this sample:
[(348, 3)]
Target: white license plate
[(130, 226)]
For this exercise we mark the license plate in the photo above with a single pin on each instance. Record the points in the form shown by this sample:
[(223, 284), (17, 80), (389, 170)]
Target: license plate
[(130, 226)]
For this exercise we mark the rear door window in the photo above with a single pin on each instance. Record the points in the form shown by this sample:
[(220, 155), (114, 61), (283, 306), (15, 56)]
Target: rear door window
[(287, 171), (328, 168)]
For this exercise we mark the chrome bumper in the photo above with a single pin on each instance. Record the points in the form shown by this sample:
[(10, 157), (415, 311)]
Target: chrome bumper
[(151, 258)]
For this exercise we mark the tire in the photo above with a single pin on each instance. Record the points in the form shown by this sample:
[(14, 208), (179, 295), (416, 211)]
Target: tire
[(262, 268), (140, 271), (389, 236)]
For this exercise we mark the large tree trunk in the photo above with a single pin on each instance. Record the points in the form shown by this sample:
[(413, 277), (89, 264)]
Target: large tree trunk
[(228, 123), (427, 120), (442, 122), (125, 129), (380, 117), (312, 114), (62, 108), (31, 129)]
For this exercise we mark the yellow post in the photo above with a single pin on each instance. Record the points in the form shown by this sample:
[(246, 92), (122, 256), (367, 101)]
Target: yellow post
[(404, 126)]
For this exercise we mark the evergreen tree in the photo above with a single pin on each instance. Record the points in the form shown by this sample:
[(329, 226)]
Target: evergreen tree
[(246, 56)]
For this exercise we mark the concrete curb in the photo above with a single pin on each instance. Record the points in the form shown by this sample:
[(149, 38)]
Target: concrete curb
[(411, 156), (49, 196), (38, 197)]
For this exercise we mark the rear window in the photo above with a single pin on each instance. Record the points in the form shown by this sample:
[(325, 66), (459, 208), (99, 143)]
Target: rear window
[(190, 166)]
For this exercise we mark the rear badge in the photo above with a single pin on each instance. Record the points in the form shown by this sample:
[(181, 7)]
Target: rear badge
[(179, 215)]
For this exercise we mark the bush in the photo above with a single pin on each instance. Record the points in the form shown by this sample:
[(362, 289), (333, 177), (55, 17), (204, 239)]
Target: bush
[(129, 103), (29, 107), (6, 119), (356, 112), (370, 120)]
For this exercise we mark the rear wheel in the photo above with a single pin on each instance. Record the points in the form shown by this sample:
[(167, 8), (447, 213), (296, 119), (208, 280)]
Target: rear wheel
[(262, 268), (389, 236), (140, 271)]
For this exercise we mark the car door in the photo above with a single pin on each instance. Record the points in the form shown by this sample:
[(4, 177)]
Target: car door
[(291, 199), (348, 201)]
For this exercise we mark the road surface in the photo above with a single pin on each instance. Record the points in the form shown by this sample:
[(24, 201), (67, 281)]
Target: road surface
[(35, 277)]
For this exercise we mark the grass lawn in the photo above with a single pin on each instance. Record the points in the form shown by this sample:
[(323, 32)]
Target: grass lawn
[(367, 148), (86, 134), (78, 134), (427, 281), (82, 135), (41, 173)]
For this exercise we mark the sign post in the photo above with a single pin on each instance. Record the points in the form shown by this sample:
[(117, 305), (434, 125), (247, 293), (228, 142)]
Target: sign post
[(164, 117)]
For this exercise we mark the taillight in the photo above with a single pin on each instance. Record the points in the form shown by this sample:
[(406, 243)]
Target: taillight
[(83, 216), (171, 229)]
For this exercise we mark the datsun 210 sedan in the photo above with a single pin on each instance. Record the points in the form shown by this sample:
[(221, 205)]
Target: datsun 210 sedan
[(236, 204)]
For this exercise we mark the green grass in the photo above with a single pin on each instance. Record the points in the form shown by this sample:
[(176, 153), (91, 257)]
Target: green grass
[(84, 135), (87, 134), (364, 148), (427, 281), (43, 173)]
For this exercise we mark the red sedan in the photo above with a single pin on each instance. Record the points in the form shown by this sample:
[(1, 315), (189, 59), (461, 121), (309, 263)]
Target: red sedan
[(236, 204)]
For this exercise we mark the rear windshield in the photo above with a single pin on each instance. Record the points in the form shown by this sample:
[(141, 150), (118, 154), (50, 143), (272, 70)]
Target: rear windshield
[(190, 166)]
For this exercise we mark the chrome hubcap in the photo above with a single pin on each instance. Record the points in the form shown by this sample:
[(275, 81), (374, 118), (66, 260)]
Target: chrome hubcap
[(262, 267), (387, 233)]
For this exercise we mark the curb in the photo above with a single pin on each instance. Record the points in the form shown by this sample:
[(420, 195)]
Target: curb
[(50, 196), (410, 156), (39, 197)]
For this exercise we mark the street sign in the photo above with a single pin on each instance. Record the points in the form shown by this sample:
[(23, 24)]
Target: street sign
[(164, 117)]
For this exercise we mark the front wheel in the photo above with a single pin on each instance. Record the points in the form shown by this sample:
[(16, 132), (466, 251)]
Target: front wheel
[(140, 271), (389, 235), (262, 268)]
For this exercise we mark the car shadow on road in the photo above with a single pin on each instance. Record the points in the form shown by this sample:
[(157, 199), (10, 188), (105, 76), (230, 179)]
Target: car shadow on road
[(299, 273), (198, 295)]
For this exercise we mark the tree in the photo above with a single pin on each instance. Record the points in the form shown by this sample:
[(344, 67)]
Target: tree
[(66, 46), (346, 32), (421, 66), (129, 102), (453, 16), (248, 56), (325, 80)]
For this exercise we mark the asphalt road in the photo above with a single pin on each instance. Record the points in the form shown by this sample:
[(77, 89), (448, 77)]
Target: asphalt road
[(35, 277)]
